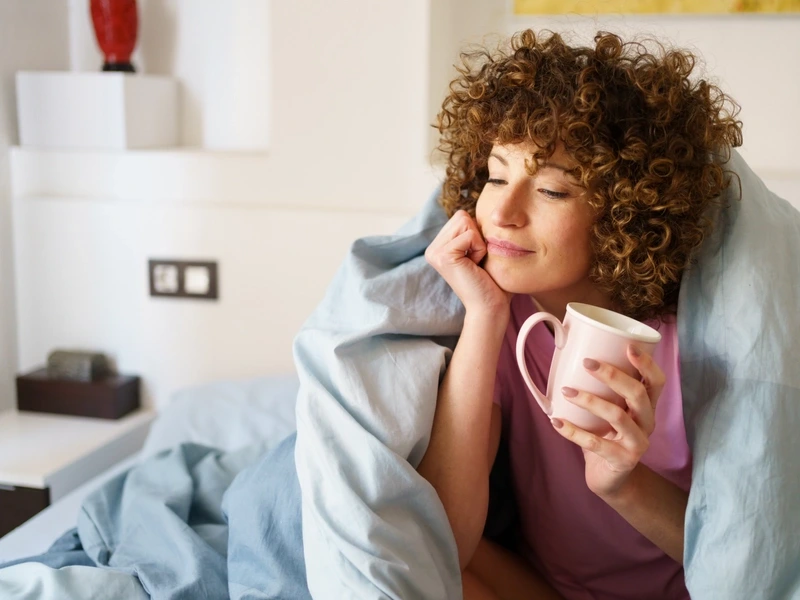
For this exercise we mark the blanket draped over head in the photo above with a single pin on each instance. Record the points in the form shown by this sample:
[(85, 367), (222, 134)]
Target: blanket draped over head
[(371, 357)]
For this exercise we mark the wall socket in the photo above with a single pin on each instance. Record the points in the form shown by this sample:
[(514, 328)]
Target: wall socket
[(184, 279)]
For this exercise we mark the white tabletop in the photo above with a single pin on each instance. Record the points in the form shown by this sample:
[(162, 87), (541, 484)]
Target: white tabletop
[(34, 447)]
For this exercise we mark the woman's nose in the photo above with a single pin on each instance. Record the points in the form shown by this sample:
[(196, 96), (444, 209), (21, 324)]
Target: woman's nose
[(509, 210)]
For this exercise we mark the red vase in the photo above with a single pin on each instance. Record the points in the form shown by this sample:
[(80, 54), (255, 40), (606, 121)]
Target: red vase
[(116, 23)]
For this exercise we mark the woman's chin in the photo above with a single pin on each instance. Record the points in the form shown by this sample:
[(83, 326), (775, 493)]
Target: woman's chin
[(515, 280)]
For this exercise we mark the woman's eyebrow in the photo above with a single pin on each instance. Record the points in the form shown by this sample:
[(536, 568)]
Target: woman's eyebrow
[(498, 157)]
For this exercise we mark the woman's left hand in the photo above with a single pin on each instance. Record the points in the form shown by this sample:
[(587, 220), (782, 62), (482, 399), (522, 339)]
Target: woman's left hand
[(611, 459)]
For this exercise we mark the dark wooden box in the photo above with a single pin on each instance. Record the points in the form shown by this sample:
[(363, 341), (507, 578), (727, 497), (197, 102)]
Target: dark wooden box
[(109, 398)]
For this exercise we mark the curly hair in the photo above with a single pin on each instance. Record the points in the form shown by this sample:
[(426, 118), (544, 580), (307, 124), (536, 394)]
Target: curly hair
[(649, 142)]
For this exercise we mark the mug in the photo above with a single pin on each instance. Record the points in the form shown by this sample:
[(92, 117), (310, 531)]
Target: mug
[(588, 332)]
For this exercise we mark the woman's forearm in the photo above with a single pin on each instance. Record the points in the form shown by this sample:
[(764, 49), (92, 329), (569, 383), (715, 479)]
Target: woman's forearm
[(456, 462), (655, 507)]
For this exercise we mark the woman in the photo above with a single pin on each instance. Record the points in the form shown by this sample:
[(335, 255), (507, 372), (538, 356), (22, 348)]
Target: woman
[(575, 174)]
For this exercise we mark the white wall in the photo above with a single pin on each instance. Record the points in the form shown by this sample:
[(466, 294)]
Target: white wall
[(33, 35), (347, 156), (83, 283), (353, 87), (345, 94)]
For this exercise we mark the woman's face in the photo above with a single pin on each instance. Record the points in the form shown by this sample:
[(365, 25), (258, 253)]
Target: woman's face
[(537, 228)]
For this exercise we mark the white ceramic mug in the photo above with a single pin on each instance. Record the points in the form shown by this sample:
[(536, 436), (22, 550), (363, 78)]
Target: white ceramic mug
[(588, 332)]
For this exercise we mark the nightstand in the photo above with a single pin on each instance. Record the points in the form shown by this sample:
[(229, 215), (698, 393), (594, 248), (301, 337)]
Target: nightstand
[(45, 456)]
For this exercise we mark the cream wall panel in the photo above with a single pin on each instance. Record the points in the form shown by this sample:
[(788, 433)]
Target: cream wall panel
[(82, 282)]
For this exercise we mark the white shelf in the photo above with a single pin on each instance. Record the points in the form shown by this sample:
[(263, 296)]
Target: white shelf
[(228, 178), (107, 111), (175, 174), (41, 450)]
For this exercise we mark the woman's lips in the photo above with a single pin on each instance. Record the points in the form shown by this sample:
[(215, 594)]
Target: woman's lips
[(503, 248)]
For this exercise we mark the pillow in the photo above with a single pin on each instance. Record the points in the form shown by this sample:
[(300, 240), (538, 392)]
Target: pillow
[(227, 414)]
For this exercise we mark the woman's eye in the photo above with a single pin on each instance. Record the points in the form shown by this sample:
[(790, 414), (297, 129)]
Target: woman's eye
[(553, 195), (495, 181)]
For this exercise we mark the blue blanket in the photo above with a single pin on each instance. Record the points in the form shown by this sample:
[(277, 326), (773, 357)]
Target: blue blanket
[(189, 523), (195, 522), (739, 336)]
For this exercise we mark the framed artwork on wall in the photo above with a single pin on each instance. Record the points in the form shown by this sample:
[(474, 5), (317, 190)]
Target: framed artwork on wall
[(552, 7)]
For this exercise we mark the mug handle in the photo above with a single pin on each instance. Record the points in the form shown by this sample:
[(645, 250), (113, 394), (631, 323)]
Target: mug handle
[(560, 339)]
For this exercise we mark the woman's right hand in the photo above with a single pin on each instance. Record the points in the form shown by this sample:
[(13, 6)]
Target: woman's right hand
[(456, 253)]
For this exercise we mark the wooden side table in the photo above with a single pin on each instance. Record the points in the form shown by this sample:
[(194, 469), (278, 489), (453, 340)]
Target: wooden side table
[(45, 456)]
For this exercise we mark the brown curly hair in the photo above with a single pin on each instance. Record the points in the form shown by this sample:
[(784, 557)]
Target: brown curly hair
[(648, 140)]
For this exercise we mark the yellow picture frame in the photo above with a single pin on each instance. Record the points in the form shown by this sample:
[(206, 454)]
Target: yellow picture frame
[(553, 7)]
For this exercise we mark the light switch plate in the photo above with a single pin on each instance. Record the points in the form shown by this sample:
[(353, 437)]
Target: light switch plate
[(165, 279), (184, 279), (196, 280)]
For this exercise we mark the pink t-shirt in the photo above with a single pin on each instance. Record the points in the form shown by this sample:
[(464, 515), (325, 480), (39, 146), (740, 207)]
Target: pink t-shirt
[(580, 544)]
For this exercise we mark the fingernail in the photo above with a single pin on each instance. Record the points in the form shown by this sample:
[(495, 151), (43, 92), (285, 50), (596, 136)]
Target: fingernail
[(591, 365), (569, 392), (557, 423), (635, 351)]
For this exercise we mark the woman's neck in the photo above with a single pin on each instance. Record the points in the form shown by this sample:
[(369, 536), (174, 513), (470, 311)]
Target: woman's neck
[(555, 303)]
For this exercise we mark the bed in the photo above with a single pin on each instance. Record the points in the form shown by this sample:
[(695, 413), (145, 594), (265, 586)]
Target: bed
[(370, 358), (226, 414)]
